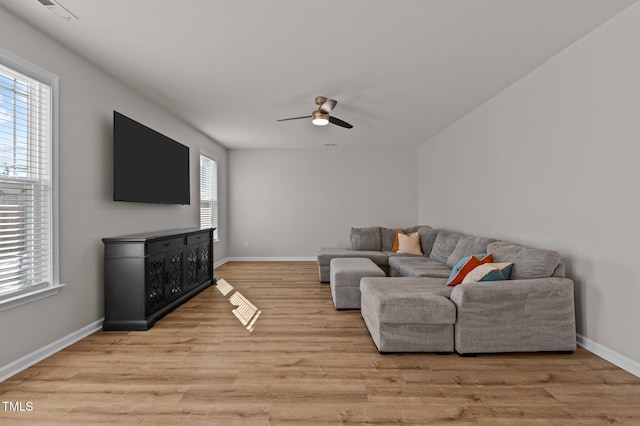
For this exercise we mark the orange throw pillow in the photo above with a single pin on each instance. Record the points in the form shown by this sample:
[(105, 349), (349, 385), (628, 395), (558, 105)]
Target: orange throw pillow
[(396, 243), (467, 267)]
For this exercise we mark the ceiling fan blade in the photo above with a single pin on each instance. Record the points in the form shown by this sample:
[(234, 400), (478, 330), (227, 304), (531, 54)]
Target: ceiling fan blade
[(294, 118), (339, 122), (327, 106)]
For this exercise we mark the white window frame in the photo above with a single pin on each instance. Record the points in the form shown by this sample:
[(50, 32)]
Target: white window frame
[(214, 196), (52, 285)]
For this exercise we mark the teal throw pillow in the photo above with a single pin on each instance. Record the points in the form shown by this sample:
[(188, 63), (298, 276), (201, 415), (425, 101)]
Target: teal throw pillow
[(489, 272)]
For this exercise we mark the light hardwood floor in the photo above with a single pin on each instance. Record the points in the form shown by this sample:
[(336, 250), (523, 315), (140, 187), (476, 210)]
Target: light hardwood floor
[(303, 364)]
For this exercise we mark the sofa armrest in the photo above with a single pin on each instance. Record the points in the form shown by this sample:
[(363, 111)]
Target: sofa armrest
[(505, 291), (515, 316)]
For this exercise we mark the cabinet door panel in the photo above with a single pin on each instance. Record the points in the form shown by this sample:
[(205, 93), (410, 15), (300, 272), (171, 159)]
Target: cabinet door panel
[(174, 264), (155, 294), (192, 266), (204, 255)]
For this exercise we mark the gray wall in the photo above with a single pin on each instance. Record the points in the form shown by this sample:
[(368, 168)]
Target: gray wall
[(289, 203), (553, 162), (87, 100)]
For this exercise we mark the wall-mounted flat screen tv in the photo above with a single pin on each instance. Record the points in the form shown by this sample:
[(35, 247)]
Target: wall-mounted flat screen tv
[(148, 167)]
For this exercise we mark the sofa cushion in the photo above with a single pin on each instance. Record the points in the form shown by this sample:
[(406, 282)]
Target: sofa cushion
[(411, 229), (427, 239), (468, 246), (367, 239), (527, 262), (326, 254), (408, 301), (489, 272), (388, 236), (409, 243), (419, 266), (444, 245), (466, 265)]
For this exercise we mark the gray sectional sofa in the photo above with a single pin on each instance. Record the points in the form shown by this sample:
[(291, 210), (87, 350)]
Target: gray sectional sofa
[(413, 310)]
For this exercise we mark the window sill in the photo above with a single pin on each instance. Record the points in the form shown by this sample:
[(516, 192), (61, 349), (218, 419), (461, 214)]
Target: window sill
[(23, 299)]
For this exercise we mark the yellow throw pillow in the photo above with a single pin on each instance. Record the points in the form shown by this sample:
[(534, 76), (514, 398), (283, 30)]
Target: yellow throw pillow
[(409, 244)]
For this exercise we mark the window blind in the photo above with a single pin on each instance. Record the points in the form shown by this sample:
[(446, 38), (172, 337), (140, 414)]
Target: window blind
[(209, 194), (25, 183)]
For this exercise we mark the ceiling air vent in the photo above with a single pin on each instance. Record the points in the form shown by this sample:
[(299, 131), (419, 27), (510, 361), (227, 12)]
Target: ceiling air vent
[(58, 9)]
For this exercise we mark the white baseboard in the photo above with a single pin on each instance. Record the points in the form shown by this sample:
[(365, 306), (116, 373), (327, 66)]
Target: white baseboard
[(613, 357), (220, 262), (36, 356), (272, 259)]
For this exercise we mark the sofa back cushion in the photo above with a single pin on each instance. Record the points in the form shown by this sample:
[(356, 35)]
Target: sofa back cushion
[(527, 262), (444, 245), (427, 239), (366, 239), (468, 246), (388, 236)]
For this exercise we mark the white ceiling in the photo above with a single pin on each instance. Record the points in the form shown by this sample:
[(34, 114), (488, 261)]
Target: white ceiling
[(401, 71)]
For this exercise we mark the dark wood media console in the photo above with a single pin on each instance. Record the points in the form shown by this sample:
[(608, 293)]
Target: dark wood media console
[(148, 275)]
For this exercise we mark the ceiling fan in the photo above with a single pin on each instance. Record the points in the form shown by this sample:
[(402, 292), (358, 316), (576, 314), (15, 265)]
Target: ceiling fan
[(321, 117)]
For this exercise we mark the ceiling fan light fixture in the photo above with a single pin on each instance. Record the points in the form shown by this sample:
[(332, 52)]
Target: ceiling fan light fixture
[(320, 119)]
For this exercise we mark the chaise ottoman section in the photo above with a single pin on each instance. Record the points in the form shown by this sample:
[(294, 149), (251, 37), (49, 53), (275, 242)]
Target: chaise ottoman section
[(326, 255), (408, 314), (345, 280)]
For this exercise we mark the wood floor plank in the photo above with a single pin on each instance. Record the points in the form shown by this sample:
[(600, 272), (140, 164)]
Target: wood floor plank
[(303, 363)]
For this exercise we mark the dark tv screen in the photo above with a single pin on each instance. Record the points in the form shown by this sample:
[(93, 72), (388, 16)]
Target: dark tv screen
[(148, 167)]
